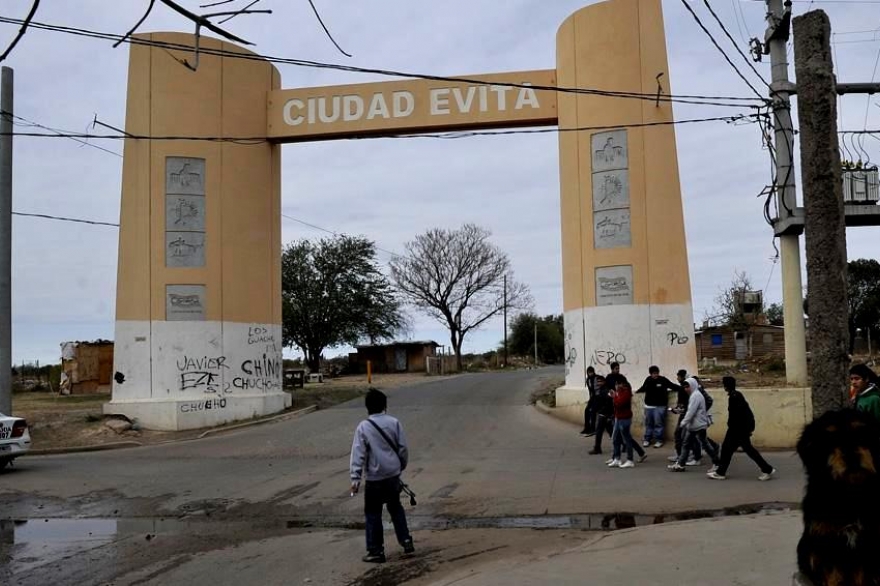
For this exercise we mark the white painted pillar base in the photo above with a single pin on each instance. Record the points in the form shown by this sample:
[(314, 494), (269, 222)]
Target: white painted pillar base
[(175, 375)]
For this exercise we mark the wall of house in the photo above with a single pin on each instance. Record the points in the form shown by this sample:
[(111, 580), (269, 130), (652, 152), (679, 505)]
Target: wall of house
[(727, 350)]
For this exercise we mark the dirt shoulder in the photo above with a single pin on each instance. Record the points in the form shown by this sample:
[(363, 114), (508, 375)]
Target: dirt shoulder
[(59, 421)]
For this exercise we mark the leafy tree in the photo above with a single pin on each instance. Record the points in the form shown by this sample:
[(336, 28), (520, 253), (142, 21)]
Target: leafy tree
[(551, 337), (333, 293), (458, 278), (863, 283), (775, 314)]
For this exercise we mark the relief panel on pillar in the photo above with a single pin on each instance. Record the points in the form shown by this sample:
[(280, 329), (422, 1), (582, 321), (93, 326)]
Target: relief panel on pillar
[(614, 285), (612, 229), (184, 212), (184, 176), (184, 249), (610, 151), (611, 190), (185, 303)]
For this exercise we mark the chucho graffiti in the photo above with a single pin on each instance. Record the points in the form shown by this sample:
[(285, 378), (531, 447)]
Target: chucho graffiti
[(209, 405)]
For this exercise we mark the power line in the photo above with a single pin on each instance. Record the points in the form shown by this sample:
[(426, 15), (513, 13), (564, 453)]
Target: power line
[(61, 134), (686, 99), (257, 140), (24, 26), (64, 219), (328, 231), (733, 42), (720, 50), (326, 30)]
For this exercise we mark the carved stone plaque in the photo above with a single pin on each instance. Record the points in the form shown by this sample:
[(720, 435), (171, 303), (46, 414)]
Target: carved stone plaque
[(610, 151), (614, 285), (185, 213), (612, 229), (184, 176), (185, 249), (610, 190), (184, 302)]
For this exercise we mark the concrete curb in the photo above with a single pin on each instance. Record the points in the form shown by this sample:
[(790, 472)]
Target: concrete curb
[(281, 417), (137, 444), (92, 448), (544, 408)]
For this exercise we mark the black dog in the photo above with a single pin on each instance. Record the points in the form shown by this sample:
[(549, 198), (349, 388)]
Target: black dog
[(840, 545)]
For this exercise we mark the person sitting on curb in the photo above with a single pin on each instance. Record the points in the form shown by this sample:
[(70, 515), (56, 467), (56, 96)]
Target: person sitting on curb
[(656, 389), (622, 423), (740, 427), (863, 390), (379, 448), (604, 406), (695, 422)]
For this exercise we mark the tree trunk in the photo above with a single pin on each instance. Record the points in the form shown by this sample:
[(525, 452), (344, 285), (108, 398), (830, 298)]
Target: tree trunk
[(313, 360)]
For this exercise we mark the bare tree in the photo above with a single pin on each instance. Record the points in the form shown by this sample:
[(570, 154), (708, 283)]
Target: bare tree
[(459, 278), (731, 307)]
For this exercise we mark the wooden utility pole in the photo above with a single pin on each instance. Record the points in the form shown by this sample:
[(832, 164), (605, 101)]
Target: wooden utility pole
[(825, 226)]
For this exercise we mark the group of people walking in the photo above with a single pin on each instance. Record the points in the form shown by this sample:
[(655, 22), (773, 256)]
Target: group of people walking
[(609, 411)]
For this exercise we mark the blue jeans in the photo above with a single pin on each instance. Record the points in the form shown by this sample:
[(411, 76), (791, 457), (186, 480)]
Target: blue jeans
[(655, 423), (692, 439), (377, 493), (622, 437)]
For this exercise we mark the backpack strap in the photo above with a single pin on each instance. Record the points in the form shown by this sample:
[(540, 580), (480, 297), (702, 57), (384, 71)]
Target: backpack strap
[(388, 440)]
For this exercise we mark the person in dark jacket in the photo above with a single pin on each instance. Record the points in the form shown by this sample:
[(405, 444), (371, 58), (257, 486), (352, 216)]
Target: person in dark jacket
[(656, 389), (590, 409), (740, 426), (614, 377), (604, 406)]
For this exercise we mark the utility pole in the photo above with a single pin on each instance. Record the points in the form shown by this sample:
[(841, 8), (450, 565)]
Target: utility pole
[(777, 35), (6, 111), (824, 217), (536, 343), (505, 321)]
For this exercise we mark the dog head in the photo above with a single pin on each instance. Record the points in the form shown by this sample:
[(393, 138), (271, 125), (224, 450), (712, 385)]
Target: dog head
[(842, 447)]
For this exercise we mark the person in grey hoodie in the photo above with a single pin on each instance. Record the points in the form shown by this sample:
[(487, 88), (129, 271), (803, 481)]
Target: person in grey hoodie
[(695, 423), (379, 449)]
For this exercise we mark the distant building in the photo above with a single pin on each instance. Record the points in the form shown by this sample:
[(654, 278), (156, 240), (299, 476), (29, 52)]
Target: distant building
[(86, 367), (727, 343), (393, 357)]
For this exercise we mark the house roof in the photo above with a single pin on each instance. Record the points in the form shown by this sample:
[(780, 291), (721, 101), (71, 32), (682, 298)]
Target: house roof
[(400, 343), (728, 328)]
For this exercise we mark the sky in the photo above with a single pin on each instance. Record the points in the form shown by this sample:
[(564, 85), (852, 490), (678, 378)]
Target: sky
[(64, 274)]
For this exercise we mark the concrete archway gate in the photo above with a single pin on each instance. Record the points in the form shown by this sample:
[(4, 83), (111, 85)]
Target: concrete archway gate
[(198, 311)]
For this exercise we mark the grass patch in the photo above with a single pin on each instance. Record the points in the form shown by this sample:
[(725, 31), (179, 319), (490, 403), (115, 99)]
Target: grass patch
[(24, 402), (546, 391), (326, 396)]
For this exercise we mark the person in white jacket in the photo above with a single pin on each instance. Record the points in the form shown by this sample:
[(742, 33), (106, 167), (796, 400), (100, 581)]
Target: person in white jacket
[(694, 423), (379, 449)]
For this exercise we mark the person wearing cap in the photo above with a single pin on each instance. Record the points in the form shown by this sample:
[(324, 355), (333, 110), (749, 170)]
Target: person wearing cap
[(379, 449), (864, 393), (740, 426)]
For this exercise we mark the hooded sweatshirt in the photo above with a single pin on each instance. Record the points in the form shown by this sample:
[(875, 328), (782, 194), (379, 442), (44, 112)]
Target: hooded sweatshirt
[(697, 417), (623, 404), (868, 401), (370, 451)]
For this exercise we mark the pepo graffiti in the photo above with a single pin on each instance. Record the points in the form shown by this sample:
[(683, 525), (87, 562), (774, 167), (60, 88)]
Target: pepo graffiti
[(606, 357), (676, 339)]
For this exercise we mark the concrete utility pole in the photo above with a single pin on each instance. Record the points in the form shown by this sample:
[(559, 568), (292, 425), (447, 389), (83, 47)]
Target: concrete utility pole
[(536, 343), (6, 240), (786, 196), (505, 321), (825, 222)]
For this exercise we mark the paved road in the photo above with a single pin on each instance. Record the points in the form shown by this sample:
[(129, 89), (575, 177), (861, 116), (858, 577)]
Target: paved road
[(479, 450)]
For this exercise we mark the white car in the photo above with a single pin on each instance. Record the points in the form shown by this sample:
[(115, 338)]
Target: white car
[(15, 439)]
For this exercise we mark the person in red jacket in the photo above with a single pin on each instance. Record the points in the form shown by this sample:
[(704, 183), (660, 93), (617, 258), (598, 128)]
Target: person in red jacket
[(622, 422)]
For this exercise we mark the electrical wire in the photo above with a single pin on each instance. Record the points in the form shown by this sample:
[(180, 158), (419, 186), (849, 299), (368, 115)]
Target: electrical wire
[(720, 50), (334, 233), (733, 42), (65, 219), (61, 134), (253, 141), (326, 30), (24, 26), (722, 101)]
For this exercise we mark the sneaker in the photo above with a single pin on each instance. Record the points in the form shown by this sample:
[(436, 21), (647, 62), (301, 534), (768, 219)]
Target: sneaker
[(693, 462), (594, 451), (715, 476), (642, 458), (646, 443), (628, 464), (613, 463), (673, 458), (767, 475), (408, 547), (658, 444), (676, 467), (590, 434), (374, 558), (714, 468)]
